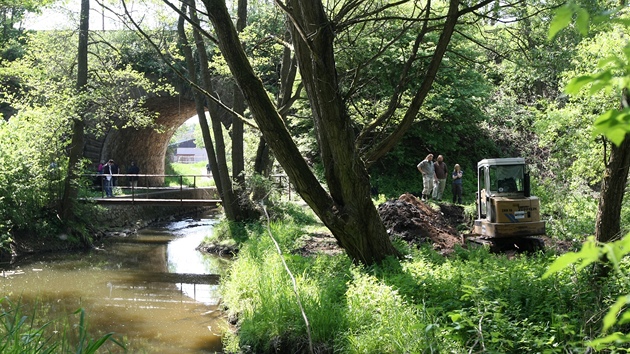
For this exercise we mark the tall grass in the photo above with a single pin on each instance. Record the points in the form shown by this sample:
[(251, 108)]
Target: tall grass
[(23, 331), (473, 301)]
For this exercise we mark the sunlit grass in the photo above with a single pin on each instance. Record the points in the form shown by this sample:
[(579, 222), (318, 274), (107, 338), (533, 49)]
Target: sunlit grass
[(472, 301), (195, 174)]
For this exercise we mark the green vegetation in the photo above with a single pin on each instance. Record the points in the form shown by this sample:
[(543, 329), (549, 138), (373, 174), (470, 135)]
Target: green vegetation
[(471, 301), (26, 331), (499, 92), (194, 174)]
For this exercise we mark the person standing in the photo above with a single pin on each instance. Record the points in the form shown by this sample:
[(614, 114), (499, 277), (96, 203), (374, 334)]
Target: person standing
[(428, 175), (108, 179), (457, 184), (133, 170), (98, 181), (114, 170), (441, 171)]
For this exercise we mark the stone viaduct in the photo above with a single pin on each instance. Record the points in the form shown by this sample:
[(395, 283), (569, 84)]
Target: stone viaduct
[(146, 147)]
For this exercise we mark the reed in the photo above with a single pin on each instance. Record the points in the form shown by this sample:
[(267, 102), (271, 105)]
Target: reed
[(25, 330)]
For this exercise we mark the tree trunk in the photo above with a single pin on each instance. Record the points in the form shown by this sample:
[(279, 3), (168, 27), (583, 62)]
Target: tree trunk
[(238, 105), (71, 188), (236, 208), (607, 226), (288, 72), (216, 158), (347, 211)]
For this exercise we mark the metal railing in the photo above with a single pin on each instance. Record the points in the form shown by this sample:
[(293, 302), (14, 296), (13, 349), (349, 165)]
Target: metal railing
[(158, 185), (146, 184)]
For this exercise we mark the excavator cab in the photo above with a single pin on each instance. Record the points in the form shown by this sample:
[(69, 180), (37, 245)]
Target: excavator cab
[(505, 206)]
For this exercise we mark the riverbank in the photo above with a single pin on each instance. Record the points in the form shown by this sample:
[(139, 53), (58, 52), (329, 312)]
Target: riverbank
[(152, 290), (107, 222)]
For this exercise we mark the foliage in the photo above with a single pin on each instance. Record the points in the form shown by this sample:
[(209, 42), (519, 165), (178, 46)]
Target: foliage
[(26, 333), (269, 298), (615, 254), (12, 13), (570, 213), (473, 300), (30, 180), (40, 103), (612, 75)]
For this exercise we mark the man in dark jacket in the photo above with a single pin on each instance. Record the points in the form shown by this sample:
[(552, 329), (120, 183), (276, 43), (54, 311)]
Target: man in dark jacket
[(133, 170)]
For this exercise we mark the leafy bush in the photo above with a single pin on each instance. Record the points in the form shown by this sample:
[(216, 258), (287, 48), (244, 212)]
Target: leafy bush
[(30, 180)]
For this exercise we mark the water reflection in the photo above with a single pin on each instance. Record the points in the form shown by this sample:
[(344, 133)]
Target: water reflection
[(144, 289)]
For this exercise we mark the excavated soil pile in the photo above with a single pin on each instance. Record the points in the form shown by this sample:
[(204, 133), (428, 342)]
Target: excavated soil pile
[(408, 218), (417, 223)]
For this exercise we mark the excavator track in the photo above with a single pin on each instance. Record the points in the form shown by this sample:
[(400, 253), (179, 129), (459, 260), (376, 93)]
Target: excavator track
[(523, 244)]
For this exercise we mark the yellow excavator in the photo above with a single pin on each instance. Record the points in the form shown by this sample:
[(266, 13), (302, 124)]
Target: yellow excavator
[(508, 216)]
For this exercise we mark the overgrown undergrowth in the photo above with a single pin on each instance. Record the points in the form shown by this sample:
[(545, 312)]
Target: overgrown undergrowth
[(473, 301)]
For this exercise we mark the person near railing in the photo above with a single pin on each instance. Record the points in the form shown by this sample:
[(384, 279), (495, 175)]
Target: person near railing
[(108, 179), (114, 169), (133, 170)]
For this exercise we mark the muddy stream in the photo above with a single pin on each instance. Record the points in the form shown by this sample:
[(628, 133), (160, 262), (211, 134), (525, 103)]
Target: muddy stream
[(153, 289)]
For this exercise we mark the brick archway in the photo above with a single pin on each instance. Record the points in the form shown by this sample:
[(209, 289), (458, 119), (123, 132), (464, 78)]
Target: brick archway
[(147, 147)]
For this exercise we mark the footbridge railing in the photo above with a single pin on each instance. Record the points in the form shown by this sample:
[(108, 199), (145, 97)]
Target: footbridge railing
[(152, 189), (162, 189)]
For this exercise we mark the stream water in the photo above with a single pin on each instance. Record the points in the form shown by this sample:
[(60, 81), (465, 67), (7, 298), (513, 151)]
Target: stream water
[(151, 289)]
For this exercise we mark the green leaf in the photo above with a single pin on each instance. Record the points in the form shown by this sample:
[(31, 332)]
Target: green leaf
[(617, 135), (576, 84), (561, 262), (613, 124), (589, 254), (601, 80), (608, 60), (599, 343), (624, 318), (561, 19), (582, 21), (611, 316)]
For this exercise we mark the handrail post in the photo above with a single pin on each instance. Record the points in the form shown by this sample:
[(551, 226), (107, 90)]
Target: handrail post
[(181, 189), (289, 187)]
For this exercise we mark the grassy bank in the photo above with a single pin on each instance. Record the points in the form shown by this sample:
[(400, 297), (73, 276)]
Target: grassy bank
[(472, 301)]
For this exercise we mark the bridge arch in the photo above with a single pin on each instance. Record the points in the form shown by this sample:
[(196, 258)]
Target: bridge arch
[(146, 146)]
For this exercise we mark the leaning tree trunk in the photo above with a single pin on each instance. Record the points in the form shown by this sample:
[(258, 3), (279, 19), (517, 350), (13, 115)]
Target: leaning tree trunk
[(241, 208), (347, 210), (217, 164), (238, 158)]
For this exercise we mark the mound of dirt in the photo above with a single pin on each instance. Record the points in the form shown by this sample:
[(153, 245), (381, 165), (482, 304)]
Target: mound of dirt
[(408, 218), (417, 223)]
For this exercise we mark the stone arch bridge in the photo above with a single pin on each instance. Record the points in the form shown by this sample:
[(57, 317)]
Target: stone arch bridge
[(147, 147)]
